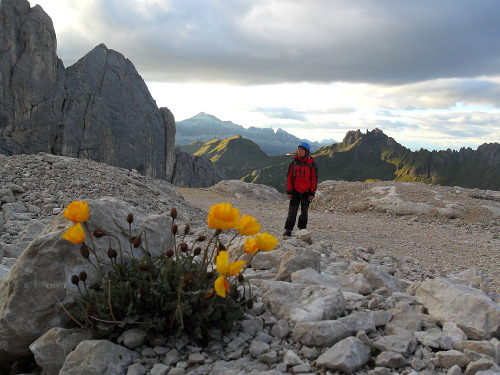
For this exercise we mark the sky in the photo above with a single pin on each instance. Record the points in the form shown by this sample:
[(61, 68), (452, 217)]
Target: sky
[(425, 72)]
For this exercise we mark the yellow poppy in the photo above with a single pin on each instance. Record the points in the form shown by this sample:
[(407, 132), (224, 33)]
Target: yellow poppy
[(223, 216), (250, 246), (221, 286), (77, 212), (74, 234), (266, 241), (225, 269), (248, 226)]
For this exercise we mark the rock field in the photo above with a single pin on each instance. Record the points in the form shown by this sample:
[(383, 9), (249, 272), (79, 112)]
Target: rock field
[(389, 278)]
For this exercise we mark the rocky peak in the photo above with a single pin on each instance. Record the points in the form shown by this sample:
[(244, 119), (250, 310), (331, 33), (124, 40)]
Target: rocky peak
[(99, 108), (352, 136)]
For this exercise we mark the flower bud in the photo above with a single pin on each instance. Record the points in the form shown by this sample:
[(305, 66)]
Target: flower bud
[(84, 250), (83, 276), (75, 279), (184, 247), (90, 310), (98, 233), (250, 303), (112, 253), (175, 228), (187, 228), (136, 241), (201, 238), (197, 251), (235, 294), (173, 213), (130, 218), (142, 267), (241, 278), (169, 253), (188, 278)]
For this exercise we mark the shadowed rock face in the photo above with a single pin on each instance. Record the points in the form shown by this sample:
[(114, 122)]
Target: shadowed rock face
[(99, 108)]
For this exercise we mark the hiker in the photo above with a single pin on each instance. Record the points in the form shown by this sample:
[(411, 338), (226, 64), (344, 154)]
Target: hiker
[(302, 180)]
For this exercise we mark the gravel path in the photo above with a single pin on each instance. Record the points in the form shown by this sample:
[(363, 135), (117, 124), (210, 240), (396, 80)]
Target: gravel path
[(443, 245)]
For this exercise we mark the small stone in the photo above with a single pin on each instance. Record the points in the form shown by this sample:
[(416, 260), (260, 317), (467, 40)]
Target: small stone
[(159, 369), (291, 359), (195, 359)]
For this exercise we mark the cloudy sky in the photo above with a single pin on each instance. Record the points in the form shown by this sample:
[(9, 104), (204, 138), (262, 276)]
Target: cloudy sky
[(426, 72)]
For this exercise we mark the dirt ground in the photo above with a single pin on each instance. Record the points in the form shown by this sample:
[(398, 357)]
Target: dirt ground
[(449, 229)]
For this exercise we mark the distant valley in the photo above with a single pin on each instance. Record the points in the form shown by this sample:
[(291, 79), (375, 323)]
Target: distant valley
[(370, 156)]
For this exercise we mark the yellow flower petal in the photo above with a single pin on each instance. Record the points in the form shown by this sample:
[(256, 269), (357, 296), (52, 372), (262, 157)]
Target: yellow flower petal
[(74, 234), (266, 241), (223, 216), (250, 246), (235, 267), (77, 212), (221, 262), (221, 286), (248, 226), (225, 269)]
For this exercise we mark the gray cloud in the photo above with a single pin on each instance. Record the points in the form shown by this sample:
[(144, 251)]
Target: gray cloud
[(281, 113), (262, 42)]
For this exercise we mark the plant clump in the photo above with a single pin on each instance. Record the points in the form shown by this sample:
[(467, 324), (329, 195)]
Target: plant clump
[(190, 287)]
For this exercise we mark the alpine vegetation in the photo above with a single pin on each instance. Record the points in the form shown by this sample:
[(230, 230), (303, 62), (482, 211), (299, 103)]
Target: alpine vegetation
[(190, 288)]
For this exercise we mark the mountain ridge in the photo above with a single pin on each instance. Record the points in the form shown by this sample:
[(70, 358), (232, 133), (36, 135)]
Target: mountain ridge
[(205, 127), (370, 156)]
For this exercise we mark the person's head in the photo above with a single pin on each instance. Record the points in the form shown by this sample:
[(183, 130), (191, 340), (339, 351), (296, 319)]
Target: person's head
[(303, 149)]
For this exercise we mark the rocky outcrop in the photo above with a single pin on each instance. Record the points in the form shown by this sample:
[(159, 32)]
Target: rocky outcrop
[(194, 171), (99, 108)]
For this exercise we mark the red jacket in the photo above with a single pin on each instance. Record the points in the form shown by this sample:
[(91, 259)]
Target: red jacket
[(302, 175)]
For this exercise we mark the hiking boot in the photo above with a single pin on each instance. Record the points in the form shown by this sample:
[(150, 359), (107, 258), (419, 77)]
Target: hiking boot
[(288, 233)]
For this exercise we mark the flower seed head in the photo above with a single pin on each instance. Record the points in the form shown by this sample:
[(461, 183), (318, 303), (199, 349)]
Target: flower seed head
[(83, 276), (187, 228), (241, 278), (221, 246), (169, 253), (130, 218), (173, 213), (184, 247), (142, 267), (84, 250), (201, 238), (75, 279), (175, 228), (197, 251), (98, 233)]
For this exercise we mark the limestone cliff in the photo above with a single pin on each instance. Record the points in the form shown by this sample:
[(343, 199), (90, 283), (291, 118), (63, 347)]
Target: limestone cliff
[(99, 108)]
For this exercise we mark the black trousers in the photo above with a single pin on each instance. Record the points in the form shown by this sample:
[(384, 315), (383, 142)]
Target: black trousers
[(297, 200)]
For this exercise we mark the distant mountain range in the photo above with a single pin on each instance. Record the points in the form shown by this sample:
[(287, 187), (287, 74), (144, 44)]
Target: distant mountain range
[(359, 157), (204, 127)]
